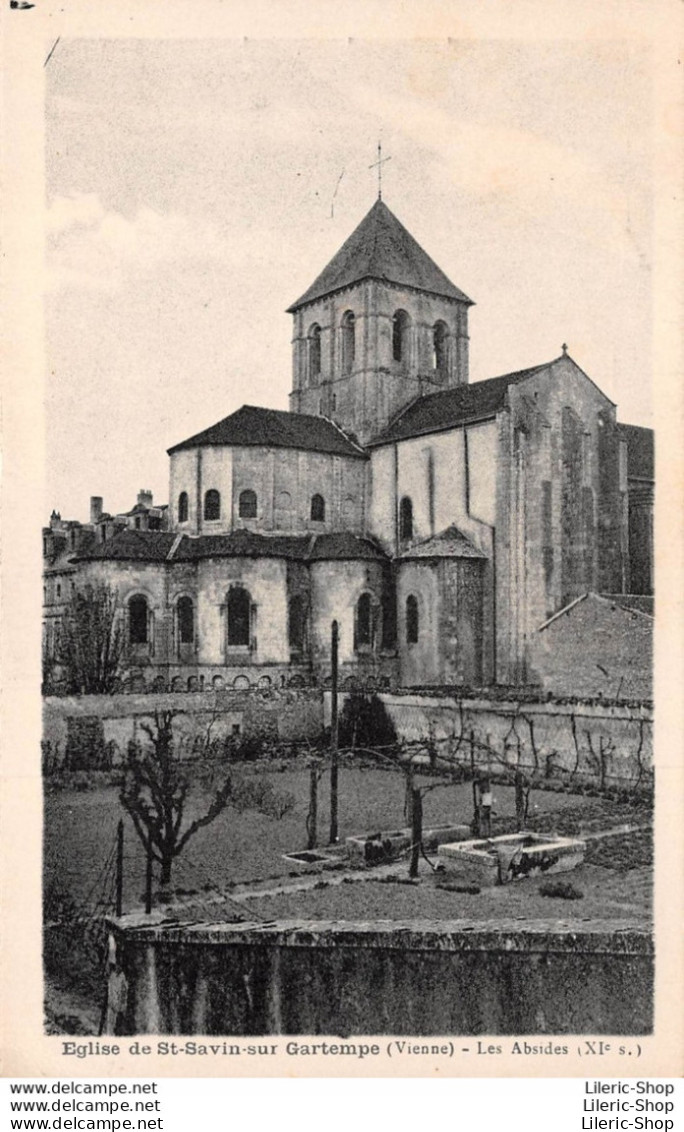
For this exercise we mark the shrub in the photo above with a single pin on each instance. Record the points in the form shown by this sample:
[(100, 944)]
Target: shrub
[(560, 890), (365, 722)]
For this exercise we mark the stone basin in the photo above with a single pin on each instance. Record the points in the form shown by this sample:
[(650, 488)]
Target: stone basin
[(513, 856), (313, 860), (383, 847)]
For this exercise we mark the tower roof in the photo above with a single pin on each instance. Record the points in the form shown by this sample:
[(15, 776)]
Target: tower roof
[(381, 248)]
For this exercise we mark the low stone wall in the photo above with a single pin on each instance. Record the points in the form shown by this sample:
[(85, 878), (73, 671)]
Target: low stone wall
[(610, 745), (104, 725), (385, 978)]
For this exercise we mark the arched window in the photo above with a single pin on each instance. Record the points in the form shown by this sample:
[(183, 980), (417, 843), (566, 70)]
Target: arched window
[(183, 507), (247, 506), (406, 518), (212, 504), (364, 622), (440, 348), (412, 620), (314, 353), (317, 508), (138, 620), (239, 604), (295, 623), (400, 324), (348, 341), (185, 614)]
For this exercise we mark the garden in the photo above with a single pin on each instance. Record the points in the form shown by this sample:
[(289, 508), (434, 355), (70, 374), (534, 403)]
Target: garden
[(234, 864)]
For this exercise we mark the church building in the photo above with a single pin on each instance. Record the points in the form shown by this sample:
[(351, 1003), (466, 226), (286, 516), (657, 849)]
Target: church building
[(441, 523)]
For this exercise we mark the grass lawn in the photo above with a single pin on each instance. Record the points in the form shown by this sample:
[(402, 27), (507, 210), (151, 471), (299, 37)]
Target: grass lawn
[(80, 829)]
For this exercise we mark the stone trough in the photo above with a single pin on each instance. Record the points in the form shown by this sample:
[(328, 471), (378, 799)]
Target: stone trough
[(385, 846), (513, 856), (314, 860)]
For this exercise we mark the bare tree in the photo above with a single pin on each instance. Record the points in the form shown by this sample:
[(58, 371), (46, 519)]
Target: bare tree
[(91, 642), (157, 788)]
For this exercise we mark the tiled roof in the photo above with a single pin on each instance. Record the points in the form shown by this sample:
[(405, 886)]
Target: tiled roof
[(252, 426), (457, 406), (640, 451), (341, 545), (240, 544), (154, 546), (451, 543), (381, 248), (131, 545), (639, 603)]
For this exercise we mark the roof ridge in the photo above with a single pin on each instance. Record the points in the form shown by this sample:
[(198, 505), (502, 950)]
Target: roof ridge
[(339, 428)]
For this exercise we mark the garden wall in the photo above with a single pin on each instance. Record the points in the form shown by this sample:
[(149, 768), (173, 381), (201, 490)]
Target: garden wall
[(609, 745), (398, 978), (84, 728)]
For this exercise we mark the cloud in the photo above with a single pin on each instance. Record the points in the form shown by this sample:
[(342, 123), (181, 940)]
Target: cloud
[(96, 249), (524, 168)]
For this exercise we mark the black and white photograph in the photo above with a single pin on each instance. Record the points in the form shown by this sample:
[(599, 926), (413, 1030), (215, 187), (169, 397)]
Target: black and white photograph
[(348, 544), (351, 748)]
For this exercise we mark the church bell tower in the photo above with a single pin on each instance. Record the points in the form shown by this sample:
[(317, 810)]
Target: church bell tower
[(380, 326)]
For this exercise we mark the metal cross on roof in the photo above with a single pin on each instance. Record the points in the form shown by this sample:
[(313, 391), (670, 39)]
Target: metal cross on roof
[(564, 347), (379, 164)]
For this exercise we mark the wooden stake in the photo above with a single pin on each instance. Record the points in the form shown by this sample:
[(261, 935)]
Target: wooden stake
[(119, 866), (333, 737)]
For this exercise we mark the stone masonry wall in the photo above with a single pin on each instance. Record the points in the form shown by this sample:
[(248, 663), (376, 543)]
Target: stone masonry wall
[(400, 978), (612, 745), (288, 715)]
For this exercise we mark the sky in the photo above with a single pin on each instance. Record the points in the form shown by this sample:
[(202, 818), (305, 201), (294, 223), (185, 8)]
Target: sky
[(194, 189)]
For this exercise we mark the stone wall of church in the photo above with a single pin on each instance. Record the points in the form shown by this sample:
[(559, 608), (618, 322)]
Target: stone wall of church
[(336, 588), (363, 393), (324, 591), (265, 580), (420, 659), (196, 471), (450, 478), (284, 481), (442, 640), (641, 536), (463, 623), (561, 499)]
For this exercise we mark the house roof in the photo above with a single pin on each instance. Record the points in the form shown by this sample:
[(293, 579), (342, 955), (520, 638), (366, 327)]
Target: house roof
[(450, 543), (450, 407), (640, 451), (381, 248), (252, 426), (155, 546), (130, 546), (637, 604)]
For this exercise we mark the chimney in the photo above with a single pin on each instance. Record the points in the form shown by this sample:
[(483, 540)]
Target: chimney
[(145, 497), (95, 508)]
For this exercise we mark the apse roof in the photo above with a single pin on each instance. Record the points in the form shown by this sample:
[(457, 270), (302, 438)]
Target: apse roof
[(156, 546), (252, 426), (381, 248), (450, 543)]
